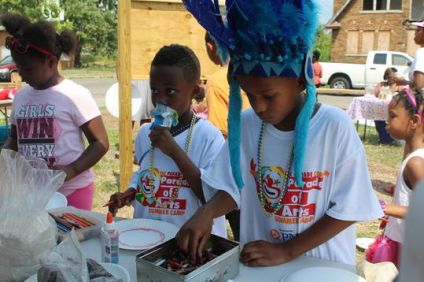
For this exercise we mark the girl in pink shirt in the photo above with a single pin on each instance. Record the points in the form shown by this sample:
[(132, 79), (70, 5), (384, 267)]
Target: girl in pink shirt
[(50, 117)]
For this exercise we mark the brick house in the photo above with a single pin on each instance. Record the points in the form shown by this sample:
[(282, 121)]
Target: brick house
[(359, 26)]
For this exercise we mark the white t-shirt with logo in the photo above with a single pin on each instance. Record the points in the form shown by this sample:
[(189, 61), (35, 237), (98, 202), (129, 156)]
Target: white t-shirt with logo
[(335, 175), (48, 126), (206, 143), (417, 64), (395, 228)]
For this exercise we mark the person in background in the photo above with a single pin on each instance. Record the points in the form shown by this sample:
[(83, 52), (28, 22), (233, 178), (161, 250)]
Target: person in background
[(389, 85), (217, 89), (199, 106), (317, 68), (416, 71), (51, 116)]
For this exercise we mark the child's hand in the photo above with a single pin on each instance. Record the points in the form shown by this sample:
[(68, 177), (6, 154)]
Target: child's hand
[(194, 234), (161, 138), (263, 253), (67, 169), (117, 203)]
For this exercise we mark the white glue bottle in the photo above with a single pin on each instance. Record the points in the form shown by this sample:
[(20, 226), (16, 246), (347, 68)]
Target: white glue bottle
[(110, 241)]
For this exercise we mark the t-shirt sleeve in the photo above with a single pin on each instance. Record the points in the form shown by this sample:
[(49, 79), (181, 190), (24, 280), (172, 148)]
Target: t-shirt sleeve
[(211, 145), (419, 61), (85, 107), (353, 198), (219, 177)]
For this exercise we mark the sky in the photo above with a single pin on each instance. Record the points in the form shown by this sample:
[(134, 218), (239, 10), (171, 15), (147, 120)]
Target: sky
[(326, 10)]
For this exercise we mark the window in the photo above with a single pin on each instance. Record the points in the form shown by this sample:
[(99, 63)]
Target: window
[(381, 5), (380, 59), (352, 42), (417, 11), (383, 42), (399, 60), (367, 42)]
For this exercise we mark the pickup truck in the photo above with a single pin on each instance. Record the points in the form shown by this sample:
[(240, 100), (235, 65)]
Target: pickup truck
[(346, 76), (7, 67)]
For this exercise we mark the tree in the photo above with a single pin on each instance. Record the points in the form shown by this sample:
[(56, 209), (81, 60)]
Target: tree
[(34, 9), (95, 24), (323, 43)]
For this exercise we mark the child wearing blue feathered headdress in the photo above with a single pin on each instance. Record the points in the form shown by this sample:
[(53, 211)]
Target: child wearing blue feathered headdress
[(299, 174)]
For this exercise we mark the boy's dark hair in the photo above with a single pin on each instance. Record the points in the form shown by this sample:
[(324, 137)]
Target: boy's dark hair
[(42, 34), (316, 54), (176, 55), (419, 99)]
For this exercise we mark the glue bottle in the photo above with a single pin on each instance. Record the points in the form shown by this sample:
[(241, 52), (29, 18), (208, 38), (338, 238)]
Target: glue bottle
[(110, 241)]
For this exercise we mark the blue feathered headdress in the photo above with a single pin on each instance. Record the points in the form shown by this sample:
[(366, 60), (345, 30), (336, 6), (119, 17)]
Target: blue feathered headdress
[(263, 38)]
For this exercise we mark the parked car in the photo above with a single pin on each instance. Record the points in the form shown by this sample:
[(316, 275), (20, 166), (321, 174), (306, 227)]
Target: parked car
[(345, 76), (7, 67)]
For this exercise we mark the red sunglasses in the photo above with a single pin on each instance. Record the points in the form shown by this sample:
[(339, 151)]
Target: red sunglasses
[(22, 46)]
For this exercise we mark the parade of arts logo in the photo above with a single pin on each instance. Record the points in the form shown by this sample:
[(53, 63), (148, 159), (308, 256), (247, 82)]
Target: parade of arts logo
[(148, 184), (272, 182), (288, 202)]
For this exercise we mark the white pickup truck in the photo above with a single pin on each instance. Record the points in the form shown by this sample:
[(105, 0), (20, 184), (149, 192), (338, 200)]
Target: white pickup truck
[(340, 75)]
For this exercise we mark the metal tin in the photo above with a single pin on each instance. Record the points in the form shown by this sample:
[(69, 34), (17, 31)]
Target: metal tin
[(222, 268)]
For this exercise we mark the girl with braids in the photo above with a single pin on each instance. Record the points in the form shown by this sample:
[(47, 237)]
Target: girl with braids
[(406, 122), (296, 169), (51, 115)]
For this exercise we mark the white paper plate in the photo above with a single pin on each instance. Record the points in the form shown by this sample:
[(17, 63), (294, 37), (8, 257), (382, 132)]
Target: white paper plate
[(112, 101), (58, 200), (363, 243), (115, 269), (141, 233), (323, 274)]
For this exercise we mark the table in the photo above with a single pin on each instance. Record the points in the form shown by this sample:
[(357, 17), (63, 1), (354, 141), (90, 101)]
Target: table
[(368, 107), (92, 249), (4, 105)]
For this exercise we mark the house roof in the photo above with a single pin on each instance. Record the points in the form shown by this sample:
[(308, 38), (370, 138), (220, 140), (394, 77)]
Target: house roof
[(332, 23)]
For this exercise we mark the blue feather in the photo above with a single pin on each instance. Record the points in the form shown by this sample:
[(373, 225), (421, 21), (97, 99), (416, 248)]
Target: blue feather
[(234, 131), (301, 132)]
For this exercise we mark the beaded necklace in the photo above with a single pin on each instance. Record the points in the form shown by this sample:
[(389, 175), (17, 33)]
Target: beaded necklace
[(175, 191), (268, 207)]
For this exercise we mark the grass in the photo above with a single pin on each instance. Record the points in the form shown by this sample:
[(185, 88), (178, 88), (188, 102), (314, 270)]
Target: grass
[(90, 72), (98, 68), (383, 162)]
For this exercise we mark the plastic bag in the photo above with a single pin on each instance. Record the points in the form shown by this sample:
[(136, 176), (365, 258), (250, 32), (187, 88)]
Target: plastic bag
[(65, 263), (26, 229)]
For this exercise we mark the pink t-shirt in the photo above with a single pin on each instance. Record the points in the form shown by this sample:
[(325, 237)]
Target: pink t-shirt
[(48, 126)]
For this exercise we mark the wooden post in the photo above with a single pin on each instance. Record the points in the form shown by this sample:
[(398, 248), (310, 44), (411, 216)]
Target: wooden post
[(124, 75)]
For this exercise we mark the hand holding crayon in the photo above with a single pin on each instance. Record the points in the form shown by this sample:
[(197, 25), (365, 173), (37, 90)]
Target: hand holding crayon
[(118, 200)]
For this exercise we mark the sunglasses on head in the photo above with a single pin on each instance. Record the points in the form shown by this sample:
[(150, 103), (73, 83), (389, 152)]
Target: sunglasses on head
[(22, 46)]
